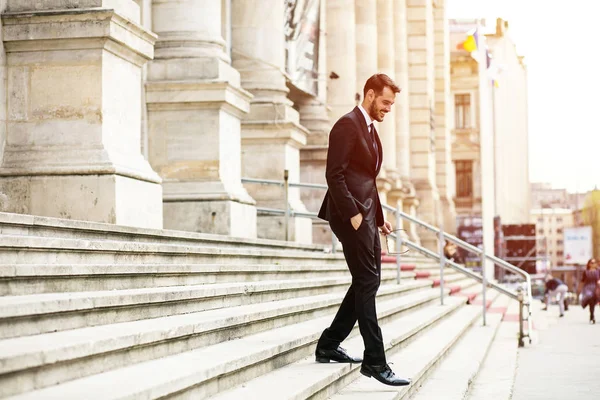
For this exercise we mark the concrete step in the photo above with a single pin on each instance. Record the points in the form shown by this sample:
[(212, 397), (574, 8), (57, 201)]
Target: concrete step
[(32, 225), (50, 312), (307, 379), (25, 250), (26, 352), (53, 228), (65, 355), (416, 361), (24, 279), (452, 379), (205, 371), (496, 377), (43, 250), (434, 274)]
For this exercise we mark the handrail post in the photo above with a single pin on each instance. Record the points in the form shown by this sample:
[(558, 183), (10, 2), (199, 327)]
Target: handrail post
[(484, 283), (521, 334), (286, 196), (442, 263), (398, 243)]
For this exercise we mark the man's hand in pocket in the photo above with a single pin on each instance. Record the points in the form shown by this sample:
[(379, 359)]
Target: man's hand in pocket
[(356, 221)]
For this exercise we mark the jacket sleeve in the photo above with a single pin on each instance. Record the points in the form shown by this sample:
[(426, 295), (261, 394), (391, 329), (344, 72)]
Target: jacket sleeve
[(342, 140)]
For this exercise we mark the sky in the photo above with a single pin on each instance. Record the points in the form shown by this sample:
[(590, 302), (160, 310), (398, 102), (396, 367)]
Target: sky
[(561, 43)]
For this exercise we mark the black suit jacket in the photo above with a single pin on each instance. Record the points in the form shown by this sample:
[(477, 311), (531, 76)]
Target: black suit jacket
[(351, 171)]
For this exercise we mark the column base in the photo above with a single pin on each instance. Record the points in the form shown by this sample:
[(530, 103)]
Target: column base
[(107, 198), (222, 217), (313, 161), (449, 214), (273, 227), (268, 148), (410, 205), (429, 209)]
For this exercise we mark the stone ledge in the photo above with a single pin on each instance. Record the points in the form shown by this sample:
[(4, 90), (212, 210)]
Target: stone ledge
[(264, 132), (101, 168), (175, 95), (127, 8), (32, 31)]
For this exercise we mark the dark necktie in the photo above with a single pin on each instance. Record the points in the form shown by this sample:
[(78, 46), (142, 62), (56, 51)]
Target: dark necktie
[(372, 132)]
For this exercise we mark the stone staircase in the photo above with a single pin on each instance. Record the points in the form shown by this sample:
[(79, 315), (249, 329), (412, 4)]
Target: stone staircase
[(97, 311)]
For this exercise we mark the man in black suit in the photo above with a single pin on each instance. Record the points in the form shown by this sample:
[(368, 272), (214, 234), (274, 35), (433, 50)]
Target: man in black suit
[(354, 212)]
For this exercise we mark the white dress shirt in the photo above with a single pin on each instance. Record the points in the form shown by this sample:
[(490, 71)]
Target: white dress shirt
[(366, 115), (370, 126)]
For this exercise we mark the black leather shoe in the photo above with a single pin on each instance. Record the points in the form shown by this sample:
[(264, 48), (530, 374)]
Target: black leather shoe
[(337, 355), (384, 374)]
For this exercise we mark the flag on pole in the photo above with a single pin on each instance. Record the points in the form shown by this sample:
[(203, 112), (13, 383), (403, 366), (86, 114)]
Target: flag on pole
[(470, 43)]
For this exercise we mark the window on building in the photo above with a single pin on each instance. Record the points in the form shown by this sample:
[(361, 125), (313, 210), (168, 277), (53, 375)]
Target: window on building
[(559, 253), (462, 110), (541, 231), (540, 220), (559, 242), (559, 230), (464, 178), (559, 220)]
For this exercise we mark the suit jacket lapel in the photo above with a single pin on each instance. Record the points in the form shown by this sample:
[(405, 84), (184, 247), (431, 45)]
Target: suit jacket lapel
[(366, 134), (380, 151)]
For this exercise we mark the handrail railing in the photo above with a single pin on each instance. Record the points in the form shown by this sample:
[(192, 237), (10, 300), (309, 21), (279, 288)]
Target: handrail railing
[(476, 250), (461, 269), (399, 214)]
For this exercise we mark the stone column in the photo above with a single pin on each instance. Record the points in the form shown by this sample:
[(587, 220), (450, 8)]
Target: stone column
[(341, 57), (271, 134), (366, 42), (402, 100), (422, 90), (443, 143), (313, 157), (195, 104), (403, 190), (74, 111), (387, 63)]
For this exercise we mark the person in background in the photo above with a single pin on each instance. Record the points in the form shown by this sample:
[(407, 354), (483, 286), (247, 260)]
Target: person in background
[(588, 287), (555, 286), (451, 253)]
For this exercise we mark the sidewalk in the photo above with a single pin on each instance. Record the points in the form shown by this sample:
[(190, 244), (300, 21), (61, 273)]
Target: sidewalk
[(564, 361)]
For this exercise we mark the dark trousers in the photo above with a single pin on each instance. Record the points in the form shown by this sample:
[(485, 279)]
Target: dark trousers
[(362, 250), (592, 305)]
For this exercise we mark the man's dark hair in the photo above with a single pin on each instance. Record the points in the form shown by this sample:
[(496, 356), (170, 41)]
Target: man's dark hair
[(379, 81)]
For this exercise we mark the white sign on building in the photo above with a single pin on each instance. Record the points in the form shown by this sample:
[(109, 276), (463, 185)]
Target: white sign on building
[(578, 245)]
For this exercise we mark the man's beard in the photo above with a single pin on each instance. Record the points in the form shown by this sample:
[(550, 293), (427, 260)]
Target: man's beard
[(373, 113)]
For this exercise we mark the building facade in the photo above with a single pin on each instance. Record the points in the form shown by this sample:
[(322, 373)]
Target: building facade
[(149, 112), (550, 224), (498, 137), (543, 195)]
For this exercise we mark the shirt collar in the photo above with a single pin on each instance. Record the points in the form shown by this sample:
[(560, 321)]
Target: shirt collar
[(368, 119)]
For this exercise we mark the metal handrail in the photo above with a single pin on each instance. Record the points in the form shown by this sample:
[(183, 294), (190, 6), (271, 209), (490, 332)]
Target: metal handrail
[(460, 268), (399, 240), (263, 181), (308, 185), (465, 245), (497, 261)]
